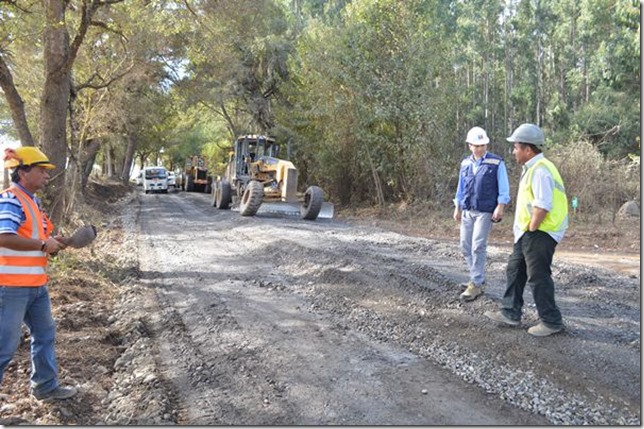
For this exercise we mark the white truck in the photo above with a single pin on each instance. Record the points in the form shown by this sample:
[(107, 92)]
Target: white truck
[(155, 179)]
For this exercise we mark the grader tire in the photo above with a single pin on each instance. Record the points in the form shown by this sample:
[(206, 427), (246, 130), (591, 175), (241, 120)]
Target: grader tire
[(313, 199), (251, 199), (223, 195)]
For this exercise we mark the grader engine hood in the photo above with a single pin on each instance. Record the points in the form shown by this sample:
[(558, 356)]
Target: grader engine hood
[(282, 173), (268, 163), (284, 199)]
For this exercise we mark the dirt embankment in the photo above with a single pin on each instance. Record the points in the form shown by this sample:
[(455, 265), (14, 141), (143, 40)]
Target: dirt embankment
[(191, 315)]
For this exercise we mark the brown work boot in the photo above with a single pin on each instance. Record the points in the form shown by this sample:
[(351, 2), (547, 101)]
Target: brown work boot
[(472, 292), (56, 394), (499, 317), (542, 330)]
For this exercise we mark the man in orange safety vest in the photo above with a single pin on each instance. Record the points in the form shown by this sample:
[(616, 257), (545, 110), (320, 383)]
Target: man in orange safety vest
[(26, 242)]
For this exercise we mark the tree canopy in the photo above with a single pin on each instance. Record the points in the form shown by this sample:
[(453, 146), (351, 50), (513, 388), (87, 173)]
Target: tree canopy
[(373, 97)]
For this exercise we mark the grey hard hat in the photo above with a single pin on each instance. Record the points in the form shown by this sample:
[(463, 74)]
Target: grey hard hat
[(527, 133)]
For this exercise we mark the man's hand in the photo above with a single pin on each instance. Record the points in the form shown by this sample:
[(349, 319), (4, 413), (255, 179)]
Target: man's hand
[(538, 215), (52, 245), (62, 240), (457, 214), (497, 216)]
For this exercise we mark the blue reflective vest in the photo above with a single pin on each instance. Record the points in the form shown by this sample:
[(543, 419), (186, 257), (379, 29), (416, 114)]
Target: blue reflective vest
[(480, 190)]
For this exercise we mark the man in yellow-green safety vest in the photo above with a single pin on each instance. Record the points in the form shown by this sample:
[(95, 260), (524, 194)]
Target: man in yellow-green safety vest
[(540, 222)]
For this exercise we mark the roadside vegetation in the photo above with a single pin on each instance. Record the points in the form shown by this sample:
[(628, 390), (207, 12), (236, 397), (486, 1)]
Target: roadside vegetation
[(371, 100)]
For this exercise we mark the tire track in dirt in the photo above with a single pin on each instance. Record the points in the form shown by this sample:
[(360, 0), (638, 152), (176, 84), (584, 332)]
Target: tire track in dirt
[(355, 292)]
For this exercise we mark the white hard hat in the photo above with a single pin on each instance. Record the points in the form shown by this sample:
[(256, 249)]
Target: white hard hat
[(477, 136)]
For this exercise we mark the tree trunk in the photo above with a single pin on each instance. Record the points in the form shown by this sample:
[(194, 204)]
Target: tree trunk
[(16, 105), (109, 170), (53, 105), (573, 44), (72, 192), (379, 194), (90, 151), (129, 158)]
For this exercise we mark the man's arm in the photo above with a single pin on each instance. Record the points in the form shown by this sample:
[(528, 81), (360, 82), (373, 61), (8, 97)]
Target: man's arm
[(504, 192), (16, 242), (504, 184), (458, 198)]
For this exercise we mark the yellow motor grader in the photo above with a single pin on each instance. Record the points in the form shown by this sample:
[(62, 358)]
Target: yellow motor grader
[(194, 176), (257, 181)]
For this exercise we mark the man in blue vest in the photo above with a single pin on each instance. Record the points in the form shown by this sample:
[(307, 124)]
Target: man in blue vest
[(540, 221), (483, 192)]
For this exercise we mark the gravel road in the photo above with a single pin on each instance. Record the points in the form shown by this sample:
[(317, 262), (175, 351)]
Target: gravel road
[(279, 321)]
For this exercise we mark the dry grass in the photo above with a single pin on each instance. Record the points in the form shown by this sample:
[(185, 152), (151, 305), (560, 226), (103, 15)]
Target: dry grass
[(83, 288), (586, 232)]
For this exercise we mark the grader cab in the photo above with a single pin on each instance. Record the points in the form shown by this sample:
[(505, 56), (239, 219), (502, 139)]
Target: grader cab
[(256, 180)]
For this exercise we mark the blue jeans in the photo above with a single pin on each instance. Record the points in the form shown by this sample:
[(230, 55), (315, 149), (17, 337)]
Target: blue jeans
[(32, 306), (475, 229), (530, 263)]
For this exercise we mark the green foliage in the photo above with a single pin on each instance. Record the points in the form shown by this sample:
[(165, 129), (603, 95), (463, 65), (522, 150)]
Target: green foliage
[(611, 121), (370, 93), (373, 97), (380, 100)]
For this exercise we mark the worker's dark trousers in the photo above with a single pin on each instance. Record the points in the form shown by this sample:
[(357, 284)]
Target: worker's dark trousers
[(530, 263)]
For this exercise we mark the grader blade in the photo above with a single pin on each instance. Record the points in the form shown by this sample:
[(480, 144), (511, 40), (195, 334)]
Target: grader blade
[(327, 211), (293, 209)]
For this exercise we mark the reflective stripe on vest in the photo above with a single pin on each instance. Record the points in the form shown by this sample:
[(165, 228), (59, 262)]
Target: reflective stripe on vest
[(25, 267), (557, 218)]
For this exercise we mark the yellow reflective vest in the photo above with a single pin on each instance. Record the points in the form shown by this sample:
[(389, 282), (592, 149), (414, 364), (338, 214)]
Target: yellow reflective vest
[(557, 218)]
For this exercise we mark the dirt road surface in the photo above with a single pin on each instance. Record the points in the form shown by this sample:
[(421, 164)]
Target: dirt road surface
[(268, 320), (210, 318)]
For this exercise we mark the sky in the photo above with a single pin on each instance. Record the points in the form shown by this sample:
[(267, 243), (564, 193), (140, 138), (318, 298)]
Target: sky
[(6, 142)]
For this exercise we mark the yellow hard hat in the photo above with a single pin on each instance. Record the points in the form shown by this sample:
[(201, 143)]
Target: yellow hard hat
[(27, 156)]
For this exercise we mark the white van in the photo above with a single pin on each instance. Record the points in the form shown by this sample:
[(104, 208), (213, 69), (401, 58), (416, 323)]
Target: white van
[(155, 179), (172, 179)]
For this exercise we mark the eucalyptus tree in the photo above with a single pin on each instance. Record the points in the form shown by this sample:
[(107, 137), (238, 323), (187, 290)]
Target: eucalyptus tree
[(573, 67), (478, 64), (609, 115)]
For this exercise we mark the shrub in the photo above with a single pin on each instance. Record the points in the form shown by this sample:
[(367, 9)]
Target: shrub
[(600, 185)]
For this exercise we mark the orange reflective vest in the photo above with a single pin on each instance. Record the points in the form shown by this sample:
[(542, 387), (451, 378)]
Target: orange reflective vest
[(26, 267)]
